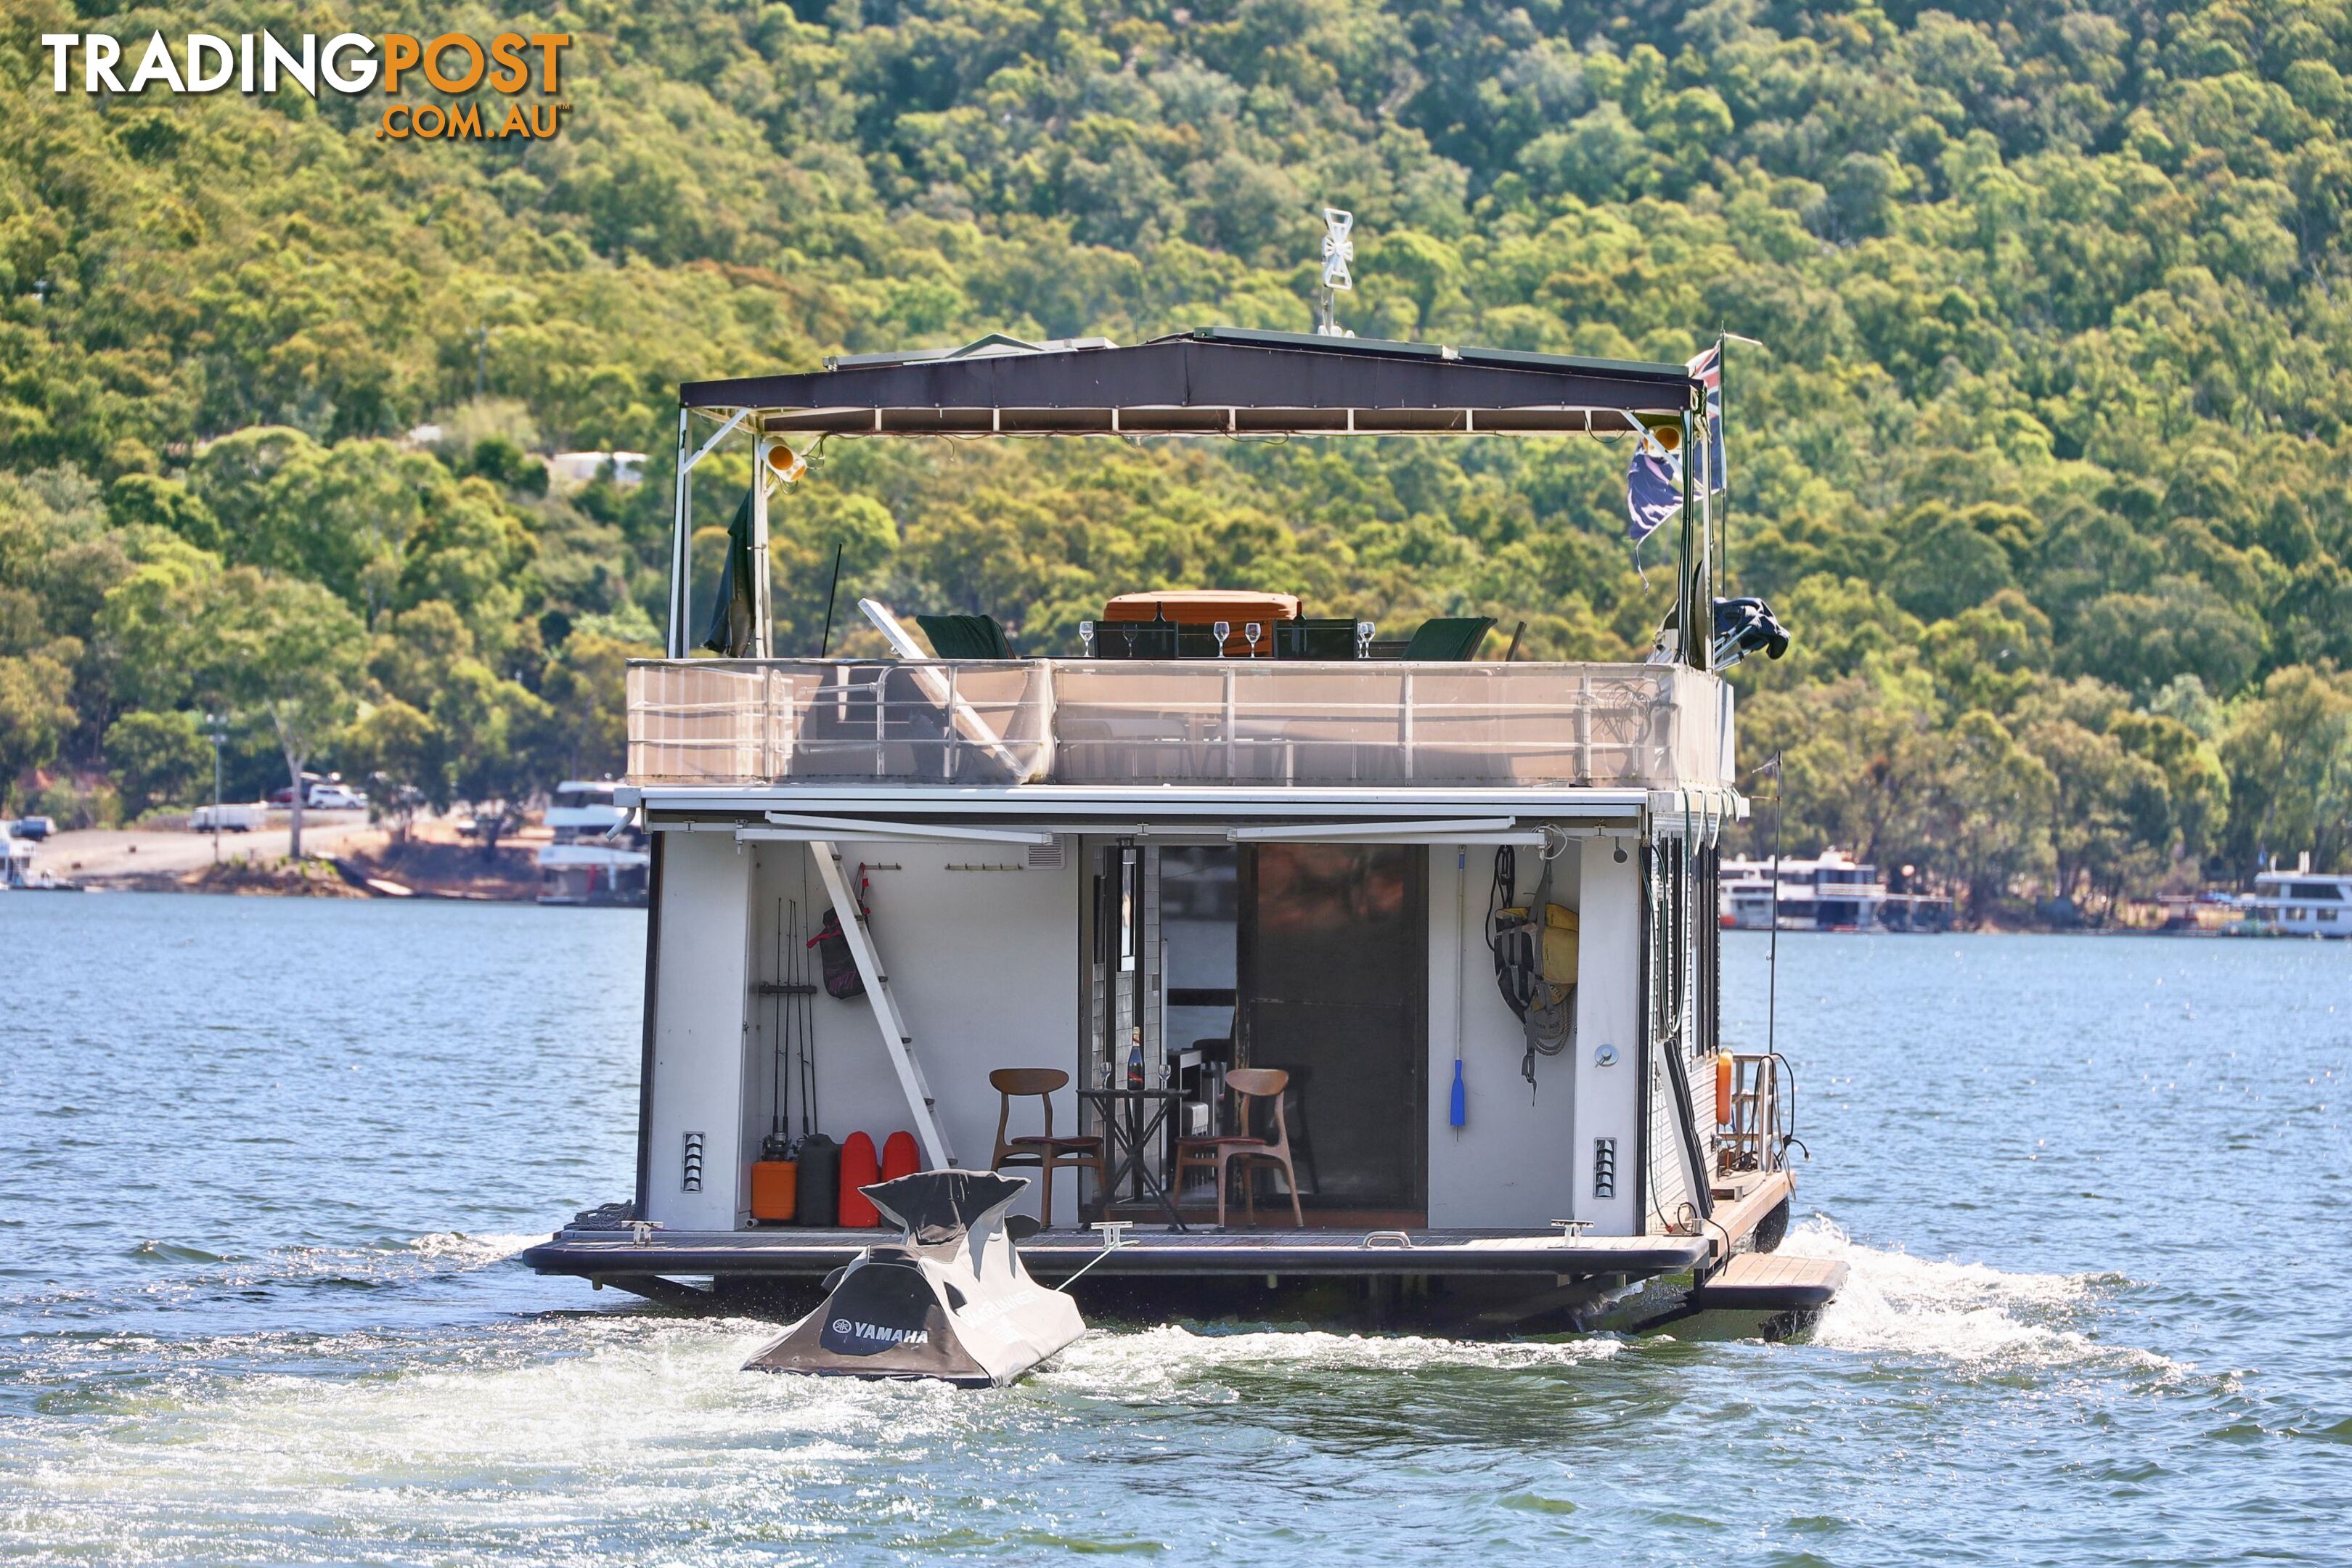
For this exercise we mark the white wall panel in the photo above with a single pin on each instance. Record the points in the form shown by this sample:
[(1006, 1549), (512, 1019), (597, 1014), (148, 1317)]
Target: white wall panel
[(699, 1031)]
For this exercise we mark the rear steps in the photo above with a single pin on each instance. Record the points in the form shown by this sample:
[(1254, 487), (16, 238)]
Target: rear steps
[(1764, 1281)]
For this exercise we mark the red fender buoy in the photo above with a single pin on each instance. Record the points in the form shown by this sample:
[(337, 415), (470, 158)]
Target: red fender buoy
[(900, 1156), (858, 1168)]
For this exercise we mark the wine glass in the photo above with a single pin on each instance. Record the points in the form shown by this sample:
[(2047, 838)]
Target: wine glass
[(1252, 631), (1087, 638), (1223, 630)]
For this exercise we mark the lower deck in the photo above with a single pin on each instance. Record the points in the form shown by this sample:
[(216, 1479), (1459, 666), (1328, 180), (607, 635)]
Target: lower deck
[(1056, 1255)]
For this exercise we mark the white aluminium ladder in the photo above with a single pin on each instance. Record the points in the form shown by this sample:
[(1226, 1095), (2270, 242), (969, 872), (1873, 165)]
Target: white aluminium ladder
[(897, 1041)]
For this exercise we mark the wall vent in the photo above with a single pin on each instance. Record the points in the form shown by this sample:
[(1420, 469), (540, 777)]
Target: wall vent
[(1604, 1167), (691, 1178), (1045, 857)]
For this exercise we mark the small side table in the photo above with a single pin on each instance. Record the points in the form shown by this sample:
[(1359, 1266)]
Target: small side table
[(1131, 1120)]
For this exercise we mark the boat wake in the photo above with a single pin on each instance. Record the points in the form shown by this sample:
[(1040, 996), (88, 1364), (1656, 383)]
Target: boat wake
[(458, 1248), (1971, 1313), (1171, 1359)]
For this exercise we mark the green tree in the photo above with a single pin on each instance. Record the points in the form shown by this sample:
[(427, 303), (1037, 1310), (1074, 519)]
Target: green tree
[(1990, 808), (287, 650), (159, 758), (585, 687), (34, 712), (2289, 754), (401, 754)]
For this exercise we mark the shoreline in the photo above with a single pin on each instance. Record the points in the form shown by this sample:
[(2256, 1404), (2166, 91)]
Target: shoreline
[(345, 856)]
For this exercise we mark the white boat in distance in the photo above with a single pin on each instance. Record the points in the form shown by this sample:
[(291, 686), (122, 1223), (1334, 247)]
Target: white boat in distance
[(1830, 891), (596, 855), (2304, 902)]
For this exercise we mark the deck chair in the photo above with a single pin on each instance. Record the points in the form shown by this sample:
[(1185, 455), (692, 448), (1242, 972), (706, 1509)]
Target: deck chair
[(965, 637), (1047, 1154), (1452, 640), (1241, 1147)]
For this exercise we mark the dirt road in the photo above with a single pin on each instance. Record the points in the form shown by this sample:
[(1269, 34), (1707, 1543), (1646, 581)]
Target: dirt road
[(104, 854)]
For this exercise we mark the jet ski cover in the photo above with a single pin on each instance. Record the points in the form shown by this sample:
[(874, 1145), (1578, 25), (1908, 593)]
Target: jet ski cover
[(950, 1302)]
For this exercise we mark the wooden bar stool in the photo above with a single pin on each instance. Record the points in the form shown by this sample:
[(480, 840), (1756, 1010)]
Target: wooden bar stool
[(1049, 1153), (1242, 1148)]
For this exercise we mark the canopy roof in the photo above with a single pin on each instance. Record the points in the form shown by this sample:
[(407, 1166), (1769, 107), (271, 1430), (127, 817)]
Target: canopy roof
[(1210, 381)]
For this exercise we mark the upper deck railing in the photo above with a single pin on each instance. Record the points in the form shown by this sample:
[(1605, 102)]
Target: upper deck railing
[(1190, 722)]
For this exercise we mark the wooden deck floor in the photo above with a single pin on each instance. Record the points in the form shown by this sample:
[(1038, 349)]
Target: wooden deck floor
[(1769, 1282)]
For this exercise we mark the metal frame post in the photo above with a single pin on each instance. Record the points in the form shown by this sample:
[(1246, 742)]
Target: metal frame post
[(1695, 638), (217, 731), (681, 512), (763, 635)]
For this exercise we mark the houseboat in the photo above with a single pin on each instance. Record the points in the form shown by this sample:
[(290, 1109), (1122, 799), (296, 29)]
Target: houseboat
[(1831, 892), (2303, 902), (16, 859), (1430, 929), (597, 854)]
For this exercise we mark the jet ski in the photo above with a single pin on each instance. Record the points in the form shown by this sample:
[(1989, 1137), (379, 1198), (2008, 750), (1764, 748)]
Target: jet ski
[(949, 1301)]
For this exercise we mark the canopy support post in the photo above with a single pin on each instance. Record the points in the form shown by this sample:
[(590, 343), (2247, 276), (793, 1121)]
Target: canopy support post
[(1696, 640), (680, 581), (763, 622)]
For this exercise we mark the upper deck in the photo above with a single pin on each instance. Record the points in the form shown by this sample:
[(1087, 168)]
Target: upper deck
[(1386, 724)]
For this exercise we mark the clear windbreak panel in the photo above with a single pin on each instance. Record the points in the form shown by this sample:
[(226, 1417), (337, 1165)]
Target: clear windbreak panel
[(1338, 723), (750, 723), (714, 721)]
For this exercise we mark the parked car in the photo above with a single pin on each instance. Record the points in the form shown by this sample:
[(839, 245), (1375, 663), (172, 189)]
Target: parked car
[(284, 794), (336, 798), (34, 827)]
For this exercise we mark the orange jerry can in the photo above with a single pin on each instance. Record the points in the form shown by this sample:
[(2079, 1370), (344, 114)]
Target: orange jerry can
[(776, 1190), (859, 1168), (900, 1156)]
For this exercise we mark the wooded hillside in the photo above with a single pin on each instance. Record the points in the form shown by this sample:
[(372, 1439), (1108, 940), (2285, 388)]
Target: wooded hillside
[(2044, 463)]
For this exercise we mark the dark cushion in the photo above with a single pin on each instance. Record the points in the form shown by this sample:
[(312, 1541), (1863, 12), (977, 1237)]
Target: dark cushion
[(1453, 639), (965, 637)]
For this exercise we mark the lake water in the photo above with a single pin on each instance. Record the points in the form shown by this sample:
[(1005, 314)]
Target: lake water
[(264, 1166)]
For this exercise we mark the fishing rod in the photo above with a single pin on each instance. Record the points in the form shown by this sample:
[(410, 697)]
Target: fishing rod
[(825, 641)]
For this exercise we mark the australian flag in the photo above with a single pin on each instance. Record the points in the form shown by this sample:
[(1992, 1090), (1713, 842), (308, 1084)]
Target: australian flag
[(1706, 369), (1653, 492)]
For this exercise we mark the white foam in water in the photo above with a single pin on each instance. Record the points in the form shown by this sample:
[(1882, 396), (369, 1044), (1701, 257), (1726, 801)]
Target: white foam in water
[(464, 1250), (1158, 1363), (626, 1411), (611, 1431), (1966, 1312)]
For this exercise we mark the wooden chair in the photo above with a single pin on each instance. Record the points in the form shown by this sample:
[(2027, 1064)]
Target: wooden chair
[(1049, 1153), (1244, 1149)]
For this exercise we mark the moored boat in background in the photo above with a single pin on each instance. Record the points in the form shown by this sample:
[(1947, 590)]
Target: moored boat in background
[(596, 855)]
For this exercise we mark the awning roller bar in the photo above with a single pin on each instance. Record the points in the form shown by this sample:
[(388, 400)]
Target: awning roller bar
[(786, 826), (1306, 830)]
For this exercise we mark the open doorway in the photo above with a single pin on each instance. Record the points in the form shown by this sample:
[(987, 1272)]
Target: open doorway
[(1307, 957), (1331, 975), (1199, 922)]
